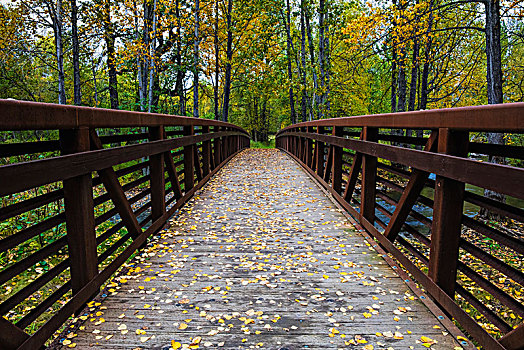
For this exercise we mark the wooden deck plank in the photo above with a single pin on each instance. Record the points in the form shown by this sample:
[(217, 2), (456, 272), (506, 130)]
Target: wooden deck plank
[(260, 258)]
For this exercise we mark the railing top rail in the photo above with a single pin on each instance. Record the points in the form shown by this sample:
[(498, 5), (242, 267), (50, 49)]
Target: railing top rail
[(24, 115), (502, 117)]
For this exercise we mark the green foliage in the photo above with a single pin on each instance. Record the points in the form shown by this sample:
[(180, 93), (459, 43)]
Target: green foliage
[(263, 144)]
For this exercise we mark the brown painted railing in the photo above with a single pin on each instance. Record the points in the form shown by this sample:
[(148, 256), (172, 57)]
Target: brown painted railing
[(409, 192), (146, 165)]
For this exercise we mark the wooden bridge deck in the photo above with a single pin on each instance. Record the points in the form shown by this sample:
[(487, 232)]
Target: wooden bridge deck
[(261, 258)]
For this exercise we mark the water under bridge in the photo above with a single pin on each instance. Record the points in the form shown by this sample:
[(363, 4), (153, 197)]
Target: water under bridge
[(144, 231)]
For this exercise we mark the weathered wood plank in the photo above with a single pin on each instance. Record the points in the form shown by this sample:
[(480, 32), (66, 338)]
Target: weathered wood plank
[(261, 257)]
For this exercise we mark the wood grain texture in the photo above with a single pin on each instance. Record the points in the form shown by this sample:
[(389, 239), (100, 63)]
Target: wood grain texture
[(259, 258)]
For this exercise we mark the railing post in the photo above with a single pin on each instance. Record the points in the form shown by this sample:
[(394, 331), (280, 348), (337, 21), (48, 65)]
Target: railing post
[(224, 146), (297, 145), (309, 146), (329, 161), (369, 175), (213, 150), (447, 215), (157, 177), (229, 145), (189, 161), (302, 147), (79, 212), (218, 148), (293, 145), (336, 180), (198, 169), (298, 148), (320, 153), (206, 153)]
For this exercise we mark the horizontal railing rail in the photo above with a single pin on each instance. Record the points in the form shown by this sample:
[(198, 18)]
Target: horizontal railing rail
[(415, 182), (82, 189)]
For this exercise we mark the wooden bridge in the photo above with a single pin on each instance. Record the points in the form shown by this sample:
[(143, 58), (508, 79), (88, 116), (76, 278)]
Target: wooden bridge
[(349, 235)]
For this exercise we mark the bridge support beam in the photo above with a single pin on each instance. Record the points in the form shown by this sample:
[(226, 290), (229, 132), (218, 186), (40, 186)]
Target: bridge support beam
[(447, 215), (206, 153), (79, 210), (189, 161), (309, 149), (157, 177), (336, 181), (320, 153), (369, 178)]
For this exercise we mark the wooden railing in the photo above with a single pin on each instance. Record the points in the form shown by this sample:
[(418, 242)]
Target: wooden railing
[(409, 194), (112, 177)]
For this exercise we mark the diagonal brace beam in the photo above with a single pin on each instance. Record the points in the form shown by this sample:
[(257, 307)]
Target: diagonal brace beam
[(173, 176), (410, 195), (113, 187), (353, 175)]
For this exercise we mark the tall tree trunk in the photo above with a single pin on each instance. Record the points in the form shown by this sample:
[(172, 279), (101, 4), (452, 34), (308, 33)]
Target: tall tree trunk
[(424, 91), (289, 71), (414, 76), (394, 73), (180, 74), (217, 63), (327, 68), (394, 80), (229, 55), (139, 62), (76, 54), (264, 119), (321, 56), (494, 86), (303, 61), (314, 98), (94, 81), (195, 61), (402, 82), (413, 82), (152, 60), (109, 37), (59, 53), (493, 52), (145, 51)]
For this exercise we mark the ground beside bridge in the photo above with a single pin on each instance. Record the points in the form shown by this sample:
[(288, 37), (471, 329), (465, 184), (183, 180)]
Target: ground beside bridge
[(260, 258)]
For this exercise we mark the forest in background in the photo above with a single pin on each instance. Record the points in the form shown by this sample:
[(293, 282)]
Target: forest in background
[(263, 64)]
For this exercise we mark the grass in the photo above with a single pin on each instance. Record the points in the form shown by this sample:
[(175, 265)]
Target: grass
[(268, 144)]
